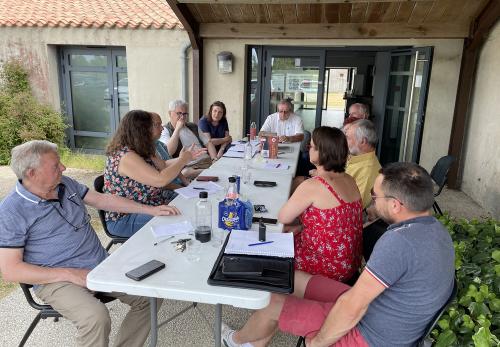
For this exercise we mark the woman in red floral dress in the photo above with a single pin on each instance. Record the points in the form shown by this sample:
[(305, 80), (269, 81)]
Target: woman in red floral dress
[(328, 240)]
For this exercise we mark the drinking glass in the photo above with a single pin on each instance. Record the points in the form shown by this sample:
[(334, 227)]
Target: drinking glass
[(193, 251)]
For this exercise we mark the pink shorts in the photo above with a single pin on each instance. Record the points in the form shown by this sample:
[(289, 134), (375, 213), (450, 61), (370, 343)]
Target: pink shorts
[(304, 317)]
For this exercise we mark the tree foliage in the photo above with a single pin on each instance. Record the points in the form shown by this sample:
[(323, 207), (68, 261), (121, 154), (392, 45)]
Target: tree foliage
[(22, 116)]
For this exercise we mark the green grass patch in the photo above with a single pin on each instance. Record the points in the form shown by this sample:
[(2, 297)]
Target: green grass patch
[(6, 287), (80, 160)]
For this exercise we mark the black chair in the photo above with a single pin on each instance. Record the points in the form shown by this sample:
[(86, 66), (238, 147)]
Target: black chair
[(439, 174), (98, 186), (424, 341), (46, 311), (371, 234)]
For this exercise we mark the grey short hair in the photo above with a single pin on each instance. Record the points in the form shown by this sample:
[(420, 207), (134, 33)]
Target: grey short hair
[(362, 109), (365, 129), (172, 105), (288, 103), (27, 156)]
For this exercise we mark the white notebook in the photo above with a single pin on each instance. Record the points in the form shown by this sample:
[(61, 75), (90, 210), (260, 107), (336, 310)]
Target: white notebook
[(281, 245)]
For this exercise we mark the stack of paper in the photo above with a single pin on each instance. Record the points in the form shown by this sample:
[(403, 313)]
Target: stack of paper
[(238, 151), (276, 165), (247, 242), (194, 189), (161, 231)]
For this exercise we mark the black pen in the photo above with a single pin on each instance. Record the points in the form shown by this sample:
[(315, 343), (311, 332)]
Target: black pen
[(199, 188)]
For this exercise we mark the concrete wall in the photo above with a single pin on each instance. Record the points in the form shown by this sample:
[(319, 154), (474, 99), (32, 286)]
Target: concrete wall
[(229, 88), (481, 175), (153, 59)]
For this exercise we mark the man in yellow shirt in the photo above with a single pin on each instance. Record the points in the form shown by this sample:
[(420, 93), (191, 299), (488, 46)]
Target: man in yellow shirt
[(363, 164)]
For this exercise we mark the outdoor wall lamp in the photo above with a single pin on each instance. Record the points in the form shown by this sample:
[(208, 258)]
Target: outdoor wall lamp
[(225, 62)]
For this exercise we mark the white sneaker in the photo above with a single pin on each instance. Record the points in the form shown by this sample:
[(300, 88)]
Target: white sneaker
[(227, 336)]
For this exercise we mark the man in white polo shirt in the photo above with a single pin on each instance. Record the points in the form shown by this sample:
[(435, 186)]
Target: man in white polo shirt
[(285, 123)]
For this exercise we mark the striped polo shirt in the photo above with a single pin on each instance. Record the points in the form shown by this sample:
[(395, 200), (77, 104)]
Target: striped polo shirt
[(53, 233)]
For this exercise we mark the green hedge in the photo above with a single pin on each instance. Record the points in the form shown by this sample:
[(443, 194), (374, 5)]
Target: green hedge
[(473, 319), (22, 117)]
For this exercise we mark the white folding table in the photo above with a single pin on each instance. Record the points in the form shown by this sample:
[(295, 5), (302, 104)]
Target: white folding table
[(182, 279)]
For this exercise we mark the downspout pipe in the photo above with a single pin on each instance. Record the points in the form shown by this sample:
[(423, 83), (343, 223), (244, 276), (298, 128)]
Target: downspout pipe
[(185, 72)]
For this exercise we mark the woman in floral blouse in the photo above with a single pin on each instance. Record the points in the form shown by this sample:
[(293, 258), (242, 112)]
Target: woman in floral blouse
[(134, 171), (328, 240)]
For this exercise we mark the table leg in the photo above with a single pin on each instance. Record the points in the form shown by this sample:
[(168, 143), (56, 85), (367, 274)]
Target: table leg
[(218, 324), (154, 322)]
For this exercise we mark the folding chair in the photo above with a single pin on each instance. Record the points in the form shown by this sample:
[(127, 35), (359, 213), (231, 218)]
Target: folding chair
[(46, 311), (439, 174), (98, 186), (371, 234), (424, 341)]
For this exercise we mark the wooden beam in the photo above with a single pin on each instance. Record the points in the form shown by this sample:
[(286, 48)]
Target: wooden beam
[(187, 20), (289, 1), (197, 83), (329, 31), (481, 28)]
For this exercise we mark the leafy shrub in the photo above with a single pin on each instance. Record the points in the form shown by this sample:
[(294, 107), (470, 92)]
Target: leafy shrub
[(473, 319), (22, 117)]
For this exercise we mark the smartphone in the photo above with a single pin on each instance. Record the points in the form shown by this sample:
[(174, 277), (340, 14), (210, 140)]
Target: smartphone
[(207, 178), (145, 270), (264, 220), (233, 266), (264, 183)]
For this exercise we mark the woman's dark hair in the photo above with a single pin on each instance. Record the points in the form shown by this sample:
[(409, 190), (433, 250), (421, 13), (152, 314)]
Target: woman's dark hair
[(332, 148), (221, 105), (134, 132)]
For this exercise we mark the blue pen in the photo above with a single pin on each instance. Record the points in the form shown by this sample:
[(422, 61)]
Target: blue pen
[(260, 243)]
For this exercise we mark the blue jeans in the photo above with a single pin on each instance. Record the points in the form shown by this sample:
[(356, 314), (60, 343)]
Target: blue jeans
[(128, 224)]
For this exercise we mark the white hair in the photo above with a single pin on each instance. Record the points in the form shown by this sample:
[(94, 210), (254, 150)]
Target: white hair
[(363, 109), (172, 105), (365, 129), (27, 156)]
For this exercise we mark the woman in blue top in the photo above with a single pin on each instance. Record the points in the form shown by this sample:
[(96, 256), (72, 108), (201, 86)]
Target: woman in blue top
[(214, 125)]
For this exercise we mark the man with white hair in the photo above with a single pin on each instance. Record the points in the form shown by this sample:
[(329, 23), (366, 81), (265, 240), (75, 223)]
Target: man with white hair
[(46, 239), (179, 133), (357, 111), (363, 164), (285, 123)]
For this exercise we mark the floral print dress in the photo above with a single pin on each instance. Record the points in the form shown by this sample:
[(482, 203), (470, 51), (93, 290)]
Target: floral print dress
[(330, 243), (124, 186)]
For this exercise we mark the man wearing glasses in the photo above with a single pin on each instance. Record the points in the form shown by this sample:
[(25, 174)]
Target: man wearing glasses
[(46, 239), (285, 123), (179, 133), (408, 278)]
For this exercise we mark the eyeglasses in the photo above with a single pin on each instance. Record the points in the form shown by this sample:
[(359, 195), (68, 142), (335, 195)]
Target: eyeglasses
[(182, 114), (283, 111), (86, 218), (375, 197)]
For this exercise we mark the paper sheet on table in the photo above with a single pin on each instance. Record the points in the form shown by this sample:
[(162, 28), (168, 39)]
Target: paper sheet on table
[(238, 151), (194, 189), (164, 230), (276, 166), (281, 246)]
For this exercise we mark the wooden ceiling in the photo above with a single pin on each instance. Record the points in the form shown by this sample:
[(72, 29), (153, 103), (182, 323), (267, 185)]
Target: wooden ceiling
[(329, 18)]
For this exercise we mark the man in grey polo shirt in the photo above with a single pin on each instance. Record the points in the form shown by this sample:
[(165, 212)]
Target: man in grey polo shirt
[(46, 239), (407, 279)]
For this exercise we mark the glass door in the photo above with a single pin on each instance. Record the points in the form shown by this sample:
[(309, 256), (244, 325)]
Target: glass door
[(96, 94), (405, 105), (296, 75)]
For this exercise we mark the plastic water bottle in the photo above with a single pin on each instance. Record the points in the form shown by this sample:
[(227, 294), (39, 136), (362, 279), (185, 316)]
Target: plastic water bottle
[(232, 192), (248, 153), (203, 219), (253, 131)]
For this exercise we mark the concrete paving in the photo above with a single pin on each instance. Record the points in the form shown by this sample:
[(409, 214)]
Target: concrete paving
[(188, 330)]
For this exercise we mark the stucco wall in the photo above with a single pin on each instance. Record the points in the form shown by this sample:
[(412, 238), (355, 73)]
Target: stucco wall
[(443, 84), (153, 59), (481, 175)]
